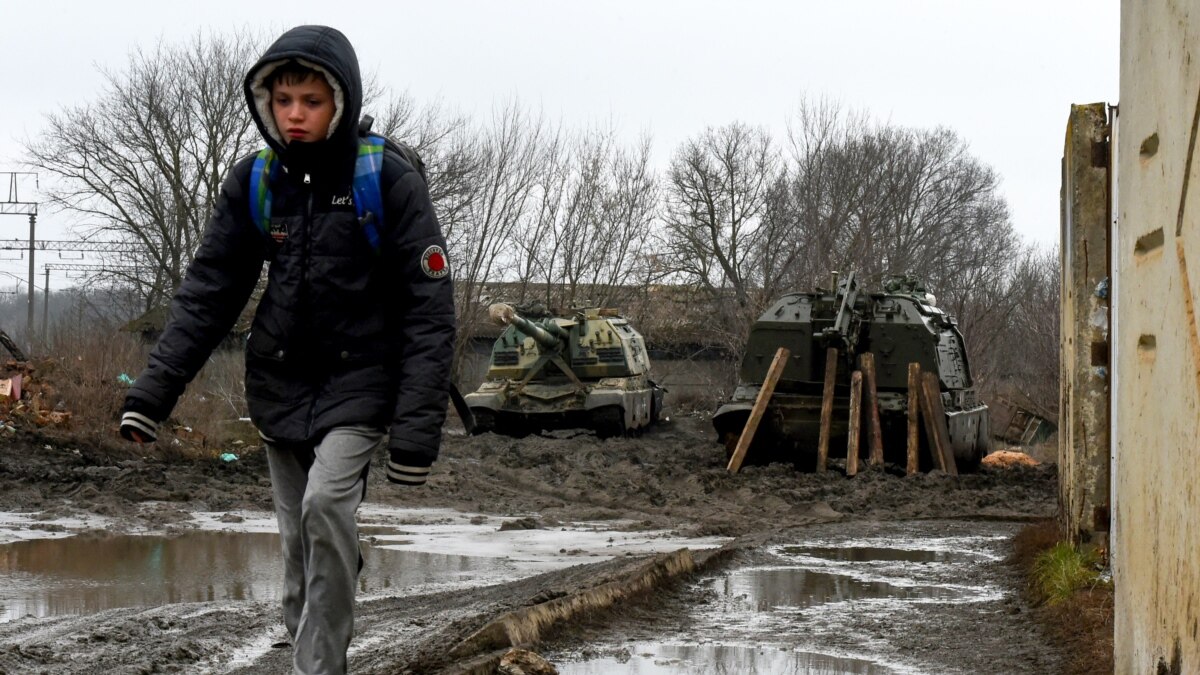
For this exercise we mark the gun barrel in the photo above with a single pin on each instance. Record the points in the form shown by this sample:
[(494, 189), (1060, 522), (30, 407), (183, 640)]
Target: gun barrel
[(539, 334), (505, 314)]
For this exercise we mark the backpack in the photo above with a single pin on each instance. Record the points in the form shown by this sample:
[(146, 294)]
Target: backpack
[(367, 184), (368, 204)]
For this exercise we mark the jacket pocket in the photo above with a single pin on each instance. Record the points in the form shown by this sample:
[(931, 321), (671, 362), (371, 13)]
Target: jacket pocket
[(261, 346)]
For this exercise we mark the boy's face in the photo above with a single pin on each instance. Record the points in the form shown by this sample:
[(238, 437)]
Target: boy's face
[(303, 110)]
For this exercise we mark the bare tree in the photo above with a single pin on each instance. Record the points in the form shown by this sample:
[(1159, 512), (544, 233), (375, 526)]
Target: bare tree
[(584, 243), (714, 206), (1022, 364), (144, 163), (503, 159), (883, 199), (536, 244), (446, 142), (625, 225)]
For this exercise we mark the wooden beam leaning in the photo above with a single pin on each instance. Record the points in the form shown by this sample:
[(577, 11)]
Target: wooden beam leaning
[(935, 424), (914, 409), (871, 401), (831, 359), (760, 406), (856, 381)]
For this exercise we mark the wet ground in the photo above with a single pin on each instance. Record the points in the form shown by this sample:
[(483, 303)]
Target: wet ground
[(171, 564), (848, 598), (236, 557)]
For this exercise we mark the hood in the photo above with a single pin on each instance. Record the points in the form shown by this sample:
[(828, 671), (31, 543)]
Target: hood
[(328, 51)]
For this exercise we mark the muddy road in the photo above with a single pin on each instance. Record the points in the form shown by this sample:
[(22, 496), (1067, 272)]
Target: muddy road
[(620, 555)]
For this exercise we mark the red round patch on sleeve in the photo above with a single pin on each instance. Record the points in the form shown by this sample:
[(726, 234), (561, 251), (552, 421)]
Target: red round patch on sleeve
[(434, 263)]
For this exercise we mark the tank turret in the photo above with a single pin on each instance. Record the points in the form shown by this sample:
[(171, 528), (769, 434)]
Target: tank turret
[(585, 368), (899, 323)]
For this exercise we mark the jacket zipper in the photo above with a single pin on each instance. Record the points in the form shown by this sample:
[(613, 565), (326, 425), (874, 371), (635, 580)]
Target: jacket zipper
[(308, 221)]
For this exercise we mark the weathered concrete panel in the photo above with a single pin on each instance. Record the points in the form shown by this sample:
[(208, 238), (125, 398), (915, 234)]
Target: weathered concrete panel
[(1083, 449), (1156, 537)]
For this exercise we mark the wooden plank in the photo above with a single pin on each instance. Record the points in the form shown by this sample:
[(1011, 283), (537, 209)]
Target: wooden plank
[(760, 406), (831, 359), (871, 402), (914, 409), (856, 380), (935, 424)]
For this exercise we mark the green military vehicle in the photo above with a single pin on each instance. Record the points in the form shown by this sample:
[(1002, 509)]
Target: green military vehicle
[(900, 324), (584, 368)]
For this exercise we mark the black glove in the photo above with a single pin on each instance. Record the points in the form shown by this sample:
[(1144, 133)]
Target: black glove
[(139, 422), (407, 467)]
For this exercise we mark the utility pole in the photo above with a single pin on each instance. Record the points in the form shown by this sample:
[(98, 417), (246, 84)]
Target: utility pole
[(59, 246), (46, 309), (14, 206), (32, 289)]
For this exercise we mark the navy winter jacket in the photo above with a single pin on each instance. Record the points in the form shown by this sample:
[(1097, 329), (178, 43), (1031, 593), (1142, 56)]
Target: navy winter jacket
[(344, 334)]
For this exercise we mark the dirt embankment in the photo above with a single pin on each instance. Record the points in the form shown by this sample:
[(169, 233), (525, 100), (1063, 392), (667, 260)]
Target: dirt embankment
[(671, 477)]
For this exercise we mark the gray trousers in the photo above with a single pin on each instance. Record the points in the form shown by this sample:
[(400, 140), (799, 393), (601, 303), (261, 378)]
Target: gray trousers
[(317, 491)]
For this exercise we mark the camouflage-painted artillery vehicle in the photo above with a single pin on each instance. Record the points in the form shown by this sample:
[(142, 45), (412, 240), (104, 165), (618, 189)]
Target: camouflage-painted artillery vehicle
[(899, 324), (585, 369)]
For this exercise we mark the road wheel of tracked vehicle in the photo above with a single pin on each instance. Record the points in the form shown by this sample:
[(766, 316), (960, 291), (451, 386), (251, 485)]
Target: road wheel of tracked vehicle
[(485, 421), (514, 428), (609, 421), (730, 441)]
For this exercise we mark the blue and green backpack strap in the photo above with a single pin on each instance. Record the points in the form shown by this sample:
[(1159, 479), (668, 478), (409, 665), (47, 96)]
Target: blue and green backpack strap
[(266, 166), (368, 194)]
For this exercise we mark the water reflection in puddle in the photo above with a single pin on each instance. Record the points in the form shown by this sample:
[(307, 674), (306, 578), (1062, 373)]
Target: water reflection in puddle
[(875, 554), (766, 589), (659, 659), (89, 573)]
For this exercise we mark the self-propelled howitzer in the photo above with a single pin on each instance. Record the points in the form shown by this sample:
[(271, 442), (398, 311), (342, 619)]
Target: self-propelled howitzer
[(585, 368), (900, 324)]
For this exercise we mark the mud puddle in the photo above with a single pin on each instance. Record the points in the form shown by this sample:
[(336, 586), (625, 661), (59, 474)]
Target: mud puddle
[(662, 659), (831, 602), (91, 572), (235, 557)]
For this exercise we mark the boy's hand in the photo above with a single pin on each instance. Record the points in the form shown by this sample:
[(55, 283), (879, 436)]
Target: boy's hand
[(138, 428), (406, 467)]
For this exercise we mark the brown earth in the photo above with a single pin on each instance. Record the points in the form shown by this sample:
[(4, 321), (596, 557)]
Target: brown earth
[(672, 477), (1082, 624)]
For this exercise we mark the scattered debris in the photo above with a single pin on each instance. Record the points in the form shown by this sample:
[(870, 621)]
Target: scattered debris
[(524, 662), (26, 400), (1003, 459), (521, 524)]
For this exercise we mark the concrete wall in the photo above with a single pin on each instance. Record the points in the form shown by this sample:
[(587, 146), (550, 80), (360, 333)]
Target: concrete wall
[(1083, 457), (1156, 537)]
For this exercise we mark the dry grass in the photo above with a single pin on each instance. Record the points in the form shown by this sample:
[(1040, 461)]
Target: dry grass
[(82, 374), (1080, 618)]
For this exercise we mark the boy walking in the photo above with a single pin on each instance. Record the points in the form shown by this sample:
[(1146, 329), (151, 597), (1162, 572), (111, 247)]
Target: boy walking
[(352, 341)]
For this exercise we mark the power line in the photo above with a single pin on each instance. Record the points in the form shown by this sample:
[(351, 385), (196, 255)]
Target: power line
[(15, 206), (80, 245), (83, 267)]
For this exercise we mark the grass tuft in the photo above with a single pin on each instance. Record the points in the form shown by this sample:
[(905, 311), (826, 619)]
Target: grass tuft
[(1063, 570)]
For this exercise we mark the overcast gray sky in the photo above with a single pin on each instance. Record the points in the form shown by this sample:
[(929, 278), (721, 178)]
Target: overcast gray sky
[(1002, 73)]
